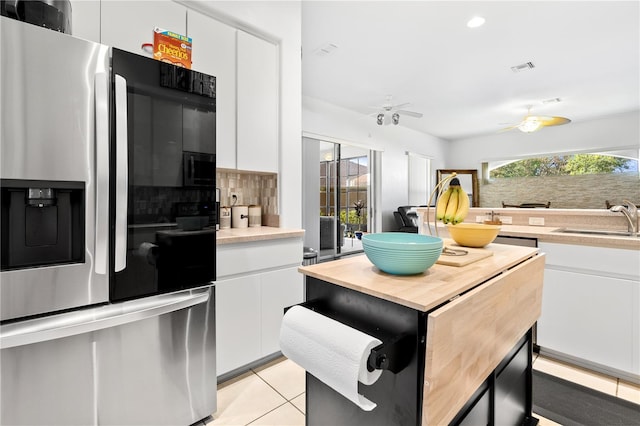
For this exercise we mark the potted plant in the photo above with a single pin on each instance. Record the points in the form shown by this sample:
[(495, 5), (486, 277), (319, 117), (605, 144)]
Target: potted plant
[(359, 206)]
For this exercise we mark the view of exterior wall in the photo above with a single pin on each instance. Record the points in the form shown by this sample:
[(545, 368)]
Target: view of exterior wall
[(564, 192), (251, 188)]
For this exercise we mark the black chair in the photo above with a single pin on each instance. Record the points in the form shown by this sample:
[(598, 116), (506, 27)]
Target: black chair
[(326, 232), (406, 220)]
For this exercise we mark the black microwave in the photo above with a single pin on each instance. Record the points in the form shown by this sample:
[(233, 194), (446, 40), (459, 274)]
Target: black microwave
[(198, 169)]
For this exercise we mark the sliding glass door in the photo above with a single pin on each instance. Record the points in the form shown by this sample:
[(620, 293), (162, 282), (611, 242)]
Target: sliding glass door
[(343, 191)]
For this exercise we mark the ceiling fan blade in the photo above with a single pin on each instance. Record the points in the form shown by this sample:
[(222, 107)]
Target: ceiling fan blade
[(510, 126), (409, 113), (396, 107), (553, 121)]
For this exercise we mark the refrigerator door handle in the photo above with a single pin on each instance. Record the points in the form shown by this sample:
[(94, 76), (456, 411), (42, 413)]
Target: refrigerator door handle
[(99, 318), (101, 100), (122, 171)]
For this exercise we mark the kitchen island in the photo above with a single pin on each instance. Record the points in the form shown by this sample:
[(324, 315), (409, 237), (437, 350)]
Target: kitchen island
[(456, 340)]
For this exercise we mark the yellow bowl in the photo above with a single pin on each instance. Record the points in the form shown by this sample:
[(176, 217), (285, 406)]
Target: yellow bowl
[(473, 234)]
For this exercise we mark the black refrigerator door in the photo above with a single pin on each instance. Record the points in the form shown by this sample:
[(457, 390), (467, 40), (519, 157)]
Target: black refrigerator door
[(166, 240)]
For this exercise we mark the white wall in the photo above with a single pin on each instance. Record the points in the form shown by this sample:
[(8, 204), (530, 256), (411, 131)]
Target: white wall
[(610, 133), (278, 21), (311, 193), (321, 118)]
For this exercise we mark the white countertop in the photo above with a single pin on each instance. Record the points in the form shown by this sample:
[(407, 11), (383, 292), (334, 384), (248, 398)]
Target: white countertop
[(556, 219)]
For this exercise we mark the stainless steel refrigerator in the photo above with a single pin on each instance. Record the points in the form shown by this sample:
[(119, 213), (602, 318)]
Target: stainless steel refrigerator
[(107, 173)]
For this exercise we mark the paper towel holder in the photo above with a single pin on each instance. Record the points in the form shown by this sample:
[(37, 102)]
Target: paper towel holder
[(393, 354)]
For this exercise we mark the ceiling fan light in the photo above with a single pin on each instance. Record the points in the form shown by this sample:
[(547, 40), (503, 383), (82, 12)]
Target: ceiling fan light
[(530, 124), (380, 119)]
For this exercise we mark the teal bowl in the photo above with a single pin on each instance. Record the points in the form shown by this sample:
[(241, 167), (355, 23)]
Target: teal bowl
[(400, 253)]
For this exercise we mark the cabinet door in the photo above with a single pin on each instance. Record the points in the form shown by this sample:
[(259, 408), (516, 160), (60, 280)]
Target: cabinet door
[(257, 104), (214, 53), (590, 317), (128, 25), (237, 322), (279, 289), (85, 19)]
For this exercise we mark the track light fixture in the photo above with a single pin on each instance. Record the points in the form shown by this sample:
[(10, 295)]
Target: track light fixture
[(380, 119)]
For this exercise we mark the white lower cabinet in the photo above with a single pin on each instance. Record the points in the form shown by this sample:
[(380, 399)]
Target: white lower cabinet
[(591, 307), (237, 319), (279, 289), (256, 281), (589, 317)]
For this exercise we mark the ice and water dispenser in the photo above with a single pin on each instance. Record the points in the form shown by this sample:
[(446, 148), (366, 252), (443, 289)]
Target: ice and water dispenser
[(43, 223)]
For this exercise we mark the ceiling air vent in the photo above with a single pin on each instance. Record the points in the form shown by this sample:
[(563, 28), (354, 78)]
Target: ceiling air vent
[(523, 67), (325, 49), (551, 101)]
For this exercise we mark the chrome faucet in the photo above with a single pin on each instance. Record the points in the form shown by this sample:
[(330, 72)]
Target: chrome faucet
[(631, 213)]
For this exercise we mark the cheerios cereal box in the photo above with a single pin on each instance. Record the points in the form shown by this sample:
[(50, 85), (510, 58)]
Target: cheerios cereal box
[(172, 47)]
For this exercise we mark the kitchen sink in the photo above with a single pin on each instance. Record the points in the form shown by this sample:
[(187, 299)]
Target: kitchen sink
[(605, 232)]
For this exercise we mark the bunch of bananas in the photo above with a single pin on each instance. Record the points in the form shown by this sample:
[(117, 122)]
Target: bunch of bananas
[(453, 204)]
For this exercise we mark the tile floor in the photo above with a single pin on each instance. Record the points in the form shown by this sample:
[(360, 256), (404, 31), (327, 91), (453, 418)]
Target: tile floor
[(273, 394)]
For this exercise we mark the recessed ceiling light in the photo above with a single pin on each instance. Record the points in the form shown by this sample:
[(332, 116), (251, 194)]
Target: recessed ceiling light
[(475, 22)]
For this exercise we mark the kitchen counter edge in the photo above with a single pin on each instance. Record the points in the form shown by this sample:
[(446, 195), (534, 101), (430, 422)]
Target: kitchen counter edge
[(556, 219), (261, 233), (425, 291)]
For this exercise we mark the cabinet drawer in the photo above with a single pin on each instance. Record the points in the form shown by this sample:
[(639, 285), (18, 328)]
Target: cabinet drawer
[(244, 258), (487, 322), (601, 260)]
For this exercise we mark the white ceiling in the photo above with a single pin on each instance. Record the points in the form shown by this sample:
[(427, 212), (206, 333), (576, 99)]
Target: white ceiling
[(585, 52)]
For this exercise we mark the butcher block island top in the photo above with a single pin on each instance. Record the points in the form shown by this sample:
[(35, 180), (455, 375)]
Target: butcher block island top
[(424, 291)]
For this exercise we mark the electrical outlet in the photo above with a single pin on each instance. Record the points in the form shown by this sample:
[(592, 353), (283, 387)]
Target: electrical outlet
[(537, 221), (479, 219), (506, 220)]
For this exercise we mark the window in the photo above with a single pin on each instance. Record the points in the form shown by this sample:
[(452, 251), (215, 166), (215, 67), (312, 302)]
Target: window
[(563, 181), (576, 164)]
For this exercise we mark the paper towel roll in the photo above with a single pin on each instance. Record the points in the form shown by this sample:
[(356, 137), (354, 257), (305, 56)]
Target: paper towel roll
[(333, 352)]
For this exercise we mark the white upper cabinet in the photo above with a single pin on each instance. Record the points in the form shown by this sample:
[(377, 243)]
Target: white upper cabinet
[(128, 25), (246, 68), (257, 112), (85, 19), (214, 53)]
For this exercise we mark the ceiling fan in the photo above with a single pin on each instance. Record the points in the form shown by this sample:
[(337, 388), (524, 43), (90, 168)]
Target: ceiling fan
[(531, 123), (389, 113)]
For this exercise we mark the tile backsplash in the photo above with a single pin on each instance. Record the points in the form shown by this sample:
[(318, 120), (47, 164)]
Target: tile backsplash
[(250, 187)]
